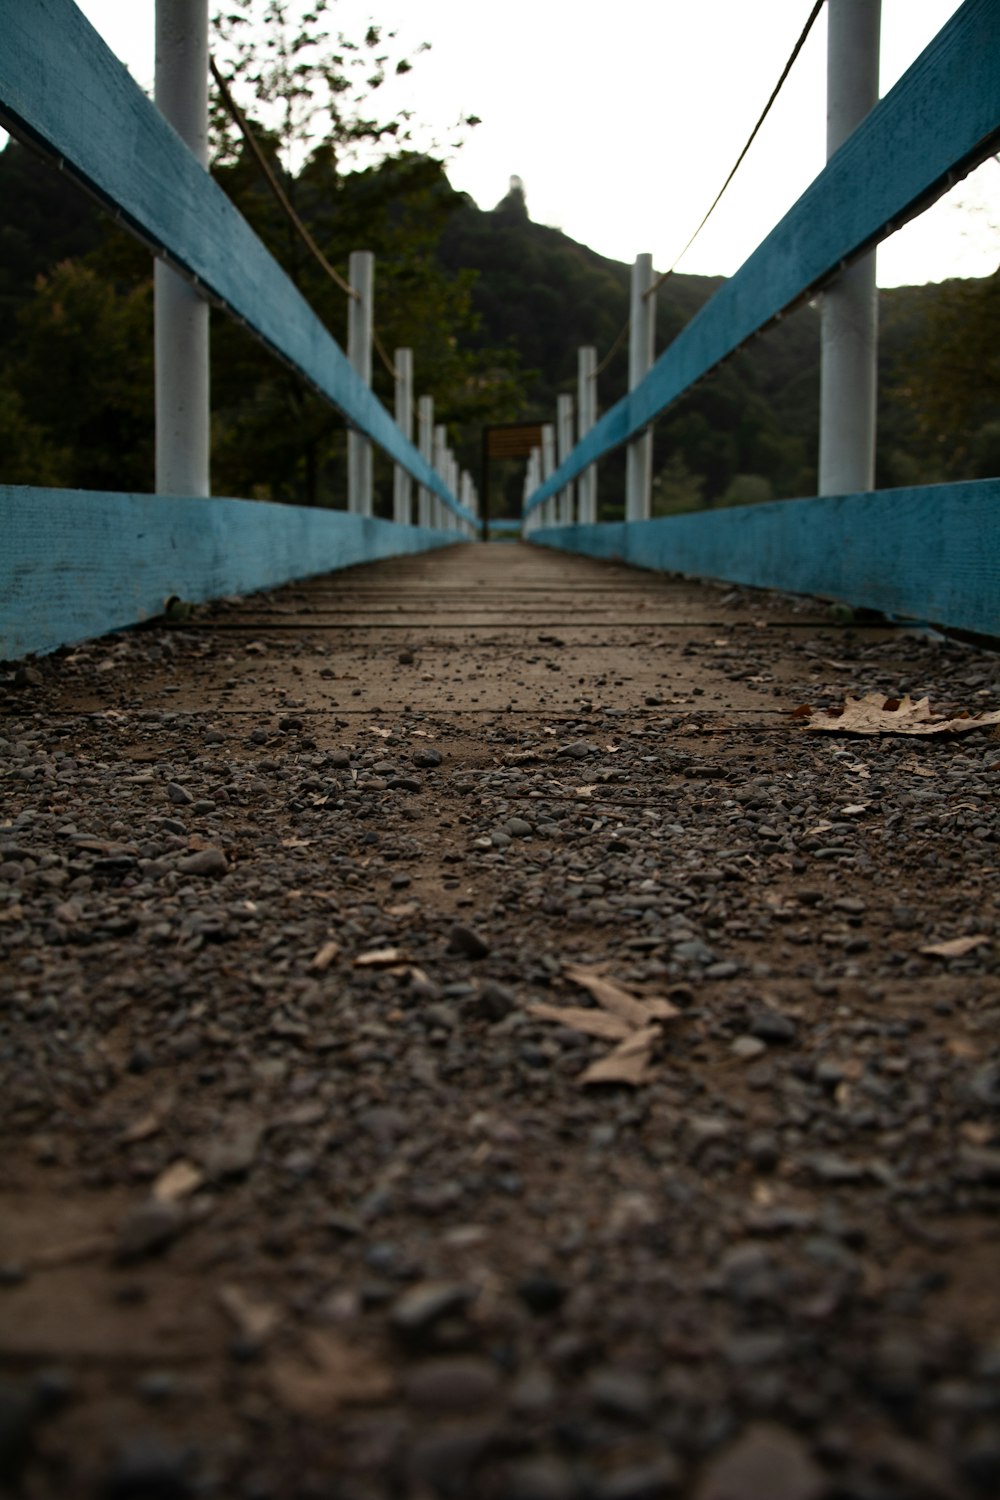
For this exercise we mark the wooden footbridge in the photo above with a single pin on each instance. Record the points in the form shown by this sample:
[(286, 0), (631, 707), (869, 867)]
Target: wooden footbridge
[(76, 564)]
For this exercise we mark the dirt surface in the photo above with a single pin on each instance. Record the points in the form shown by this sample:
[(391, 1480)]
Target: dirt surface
[(308, 912)]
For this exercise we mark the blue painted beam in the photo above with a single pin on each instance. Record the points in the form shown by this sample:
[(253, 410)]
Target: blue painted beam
[(940, 120), (63, 89), (78, 563), (930, 554)]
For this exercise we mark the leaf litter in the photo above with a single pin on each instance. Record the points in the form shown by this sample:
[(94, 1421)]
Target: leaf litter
[(620, 1016), (877, 714)]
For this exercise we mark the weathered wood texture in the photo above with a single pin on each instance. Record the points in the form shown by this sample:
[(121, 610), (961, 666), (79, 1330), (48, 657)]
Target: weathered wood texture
[(61, 87), (942, 118), (923, 553), (77, 563)]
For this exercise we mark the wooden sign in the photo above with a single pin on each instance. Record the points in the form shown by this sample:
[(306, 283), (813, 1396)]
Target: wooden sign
[(512, 439)]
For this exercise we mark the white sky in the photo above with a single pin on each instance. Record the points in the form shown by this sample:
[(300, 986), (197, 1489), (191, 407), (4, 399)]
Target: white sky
[(623, 121)]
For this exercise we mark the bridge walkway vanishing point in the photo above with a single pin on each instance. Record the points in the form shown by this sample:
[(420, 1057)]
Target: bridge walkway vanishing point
[(326, 913)]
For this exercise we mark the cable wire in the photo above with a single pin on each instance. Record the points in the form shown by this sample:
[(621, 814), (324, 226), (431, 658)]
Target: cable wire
[(813, 14), (273, 183)]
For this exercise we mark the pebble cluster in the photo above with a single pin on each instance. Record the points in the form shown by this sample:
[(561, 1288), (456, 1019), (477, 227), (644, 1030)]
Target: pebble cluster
[(299, 1198)]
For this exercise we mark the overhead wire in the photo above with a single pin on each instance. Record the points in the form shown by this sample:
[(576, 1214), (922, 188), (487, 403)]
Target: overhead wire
[(664, 275), (807, 28)]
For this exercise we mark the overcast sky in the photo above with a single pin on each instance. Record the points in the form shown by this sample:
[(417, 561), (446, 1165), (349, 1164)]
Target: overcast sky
[(624, 120)]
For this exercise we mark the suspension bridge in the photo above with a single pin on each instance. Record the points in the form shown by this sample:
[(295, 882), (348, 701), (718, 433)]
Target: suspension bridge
[(498, 1020)]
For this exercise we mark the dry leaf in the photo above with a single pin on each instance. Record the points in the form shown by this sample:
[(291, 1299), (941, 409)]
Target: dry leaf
[(582, 792), (177, 1182), (324, 958), (377, 729), (403, 909), (254, 1320), (628, 1063), (589, 1022), (329, 1374), (876, 714), (955, 947), (618, 1000), (380, 958), (141, 1130)]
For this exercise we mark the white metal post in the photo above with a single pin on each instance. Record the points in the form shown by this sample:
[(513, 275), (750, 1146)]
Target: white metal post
[(548, 507), (849, 349), (467, 495), (361, 274), (402, 484), (586, 416), (564, 431), (639, 455), (440, 464), (180, 339), (425, 442), (532, 479)]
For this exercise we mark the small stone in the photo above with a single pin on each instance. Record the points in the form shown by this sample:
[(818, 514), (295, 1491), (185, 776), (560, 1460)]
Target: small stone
[(210, 862), (452, 1385), (621, 1393), (148, 1228), (544, 1478), (772, 1026), (467, 943), (405, 658), (403, 784), (747, 1048), (25, 677), (520, 828), (492, 1002), (766, 1460), (178, 795), (148, 1469), (542, 1292), (420, 1307), (426, 758), (650, 1481)]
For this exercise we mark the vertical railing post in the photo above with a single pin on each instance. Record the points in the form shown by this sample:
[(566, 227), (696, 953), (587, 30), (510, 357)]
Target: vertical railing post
[(361, 274), (425, 442), (180, 338), (402, 484), (639, 455), (849, 328), (586, 416), (564, 440), (440, 464), (532, 480), (548, 507)]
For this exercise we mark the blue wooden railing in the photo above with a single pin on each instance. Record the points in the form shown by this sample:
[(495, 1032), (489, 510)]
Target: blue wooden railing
[(931, 553), (78, 563)]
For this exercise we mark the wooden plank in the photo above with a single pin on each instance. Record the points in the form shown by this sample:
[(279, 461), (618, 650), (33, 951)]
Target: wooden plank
[(929, 554), (62, 88), (78, 563), (941, 118)]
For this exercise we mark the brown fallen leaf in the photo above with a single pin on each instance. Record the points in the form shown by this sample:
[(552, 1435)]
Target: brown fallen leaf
[(254, 1319), (628, 1063), (324, 958), (327, 1375), (589, 1022), (877, 714), (618, 1000), (955, 947), (380, 958)]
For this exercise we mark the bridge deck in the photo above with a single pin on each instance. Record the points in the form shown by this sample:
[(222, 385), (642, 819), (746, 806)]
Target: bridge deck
[(300, 1196)]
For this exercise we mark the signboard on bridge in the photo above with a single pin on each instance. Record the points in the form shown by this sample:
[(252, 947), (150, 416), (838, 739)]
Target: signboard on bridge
[(511, 439)]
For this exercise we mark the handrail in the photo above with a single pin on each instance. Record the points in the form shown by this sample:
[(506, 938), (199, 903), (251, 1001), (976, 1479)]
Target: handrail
[(62, 88), (940, 120)]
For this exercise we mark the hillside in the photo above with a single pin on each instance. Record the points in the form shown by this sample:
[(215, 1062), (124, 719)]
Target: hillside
[(496, 306)]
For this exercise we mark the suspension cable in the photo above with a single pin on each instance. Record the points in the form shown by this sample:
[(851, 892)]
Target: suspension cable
[(813, 14), (241, 121)]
